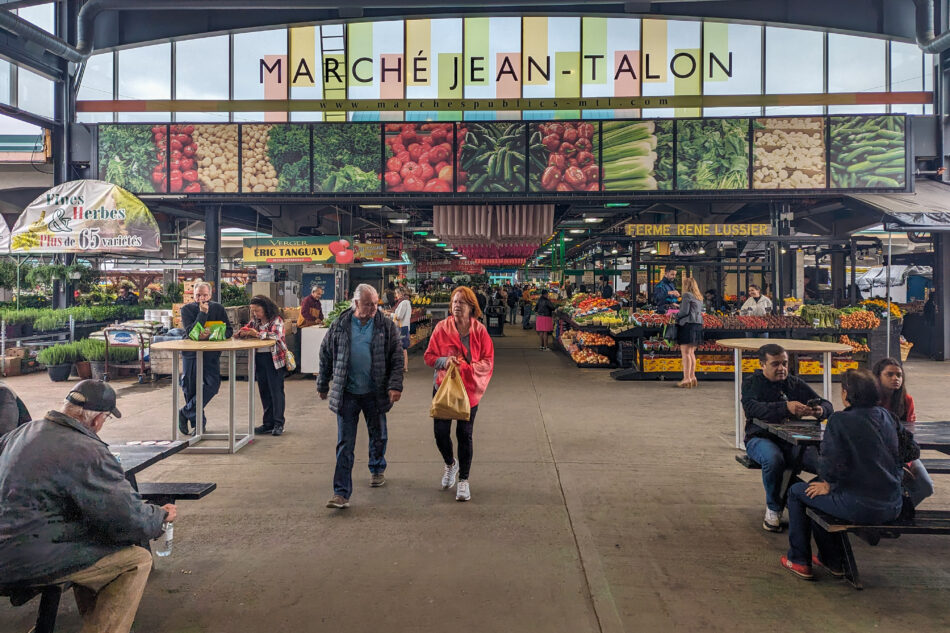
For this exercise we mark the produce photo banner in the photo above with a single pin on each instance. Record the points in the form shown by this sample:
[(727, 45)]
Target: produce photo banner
[(465, 159)]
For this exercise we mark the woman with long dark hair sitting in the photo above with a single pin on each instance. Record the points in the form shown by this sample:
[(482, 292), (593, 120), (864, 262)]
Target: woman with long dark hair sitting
[(859, 477), (894, 397), (269, 362)]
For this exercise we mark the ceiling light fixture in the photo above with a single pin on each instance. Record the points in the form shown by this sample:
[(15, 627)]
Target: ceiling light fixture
[(593, 220), (578, 231), (399, 220), (702, 251), (653, 251), (432, 239), (614, 251)]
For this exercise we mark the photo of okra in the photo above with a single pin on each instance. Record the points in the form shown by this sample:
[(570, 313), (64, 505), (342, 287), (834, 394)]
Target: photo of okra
[(867, 152)]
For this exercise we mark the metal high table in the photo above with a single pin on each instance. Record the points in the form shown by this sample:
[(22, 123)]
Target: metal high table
[(792, 346), (231, 347)]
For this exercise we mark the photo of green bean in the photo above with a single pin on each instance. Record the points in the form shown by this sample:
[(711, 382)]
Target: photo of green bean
[(492, 158), (868, 152)]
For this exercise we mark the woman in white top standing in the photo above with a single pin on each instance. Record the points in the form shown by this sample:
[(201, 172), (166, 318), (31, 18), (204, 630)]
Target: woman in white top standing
[(757, 304), (403, 314)]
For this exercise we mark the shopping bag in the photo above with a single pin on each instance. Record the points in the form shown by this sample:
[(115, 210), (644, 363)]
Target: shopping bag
[(450, 402), (210, 331)]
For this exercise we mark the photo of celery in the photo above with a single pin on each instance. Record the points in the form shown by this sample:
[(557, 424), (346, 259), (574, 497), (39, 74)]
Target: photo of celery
[(637, 155)]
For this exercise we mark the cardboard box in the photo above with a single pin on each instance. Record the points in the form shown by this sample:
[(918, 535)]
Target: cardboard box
[(16, 352), (12, 366), (176, 310)]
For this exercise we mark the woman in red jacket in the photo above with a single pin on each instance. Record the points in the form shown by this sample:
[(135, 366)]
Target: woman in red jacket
[(460, 340)]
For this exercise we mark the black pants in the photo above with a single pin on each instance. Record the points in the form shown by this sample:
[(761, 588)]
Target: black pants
[(270, 384), (463, 434), (211, 381)]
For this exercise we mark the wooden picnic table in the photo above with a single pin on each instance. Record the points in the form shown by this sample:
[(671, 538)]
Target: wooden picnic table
[(230, 347), (799, 433), (792, 346)]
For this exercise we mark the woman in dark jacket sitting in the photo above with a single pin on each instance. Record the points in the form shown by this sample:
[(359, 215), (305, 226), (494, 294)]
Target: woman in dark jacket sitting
[(859, 476)]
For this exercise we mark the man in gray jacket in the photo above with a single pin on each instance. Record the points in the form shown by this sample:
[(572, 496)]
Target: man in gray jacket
[(362, 355), (68, 514)]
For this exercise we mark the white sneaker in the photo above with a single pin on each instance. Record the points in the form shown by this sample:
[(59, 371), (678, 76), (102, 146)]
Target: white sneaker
[(462, 493), (772, 521), (448, 475)]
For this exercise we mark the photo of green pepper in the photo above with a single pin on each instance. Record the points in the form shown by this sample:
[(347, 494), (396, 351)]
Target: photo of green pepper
[(868, 152), (493, 158)]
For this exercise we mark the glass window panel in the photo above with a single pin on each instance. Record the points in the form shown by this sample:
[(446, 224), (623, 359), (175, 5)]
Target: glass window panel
[(249, 50), (732, 64), (96, 85), (793, 65), (201, 72), (9, 125), (41, 15), (856, 64), (907, 74), (145, 73), (34, 93), (671, 63), (6, 77)]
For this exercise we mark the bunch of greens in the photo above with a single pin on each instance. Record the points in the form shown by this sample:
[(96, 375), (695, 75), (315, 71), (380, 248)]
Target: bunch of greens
[(288, 148), (663, 168), (712, 154), (339, 308), (127, 156), (346, 158)]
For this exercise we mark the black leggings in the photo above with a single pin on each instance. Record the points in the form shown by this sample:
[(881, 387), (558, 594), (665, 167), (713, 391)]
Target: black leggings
[(463, 433)]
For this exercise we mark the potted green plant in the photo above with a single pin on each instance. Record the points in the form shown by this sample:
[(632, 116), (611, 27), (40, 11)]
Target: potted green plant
[(94, 351), (83, 367), (58, 360)]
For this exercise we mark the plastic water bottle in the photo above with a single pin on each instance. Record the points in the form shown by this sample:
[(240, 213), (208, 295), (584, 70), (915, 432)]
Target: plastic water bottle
[(163, 544)]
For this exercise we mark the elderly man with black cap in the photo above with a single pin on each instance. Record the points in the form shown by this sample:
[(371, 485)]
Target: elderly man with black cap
[(67, 513)]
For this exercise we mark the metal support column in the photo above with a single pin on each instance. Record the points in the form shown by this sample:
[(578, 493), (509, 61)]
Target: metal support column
[(941, 272), (213, 250)]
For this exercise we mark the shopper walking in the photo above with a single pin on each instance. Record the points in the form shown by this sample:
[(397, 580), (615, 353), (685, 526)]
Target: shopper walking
[(269, 362), (202, 310), (544, 322), (514, 297), (890, 377), (460, 340), (403, 314), (689, 332), (362, 355)]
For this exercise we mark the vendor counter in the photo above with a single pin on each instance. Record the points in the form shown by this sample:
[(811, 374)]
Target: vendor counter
[(311, 338)]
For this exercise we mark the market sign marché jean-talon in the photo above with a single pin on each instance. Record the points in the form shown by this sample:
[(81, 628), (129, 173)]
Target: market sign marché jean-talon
[(698, 230)]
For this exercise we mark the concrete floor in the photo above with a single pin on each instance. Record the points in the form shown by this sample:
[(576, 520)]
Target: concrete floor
[(597, 506)]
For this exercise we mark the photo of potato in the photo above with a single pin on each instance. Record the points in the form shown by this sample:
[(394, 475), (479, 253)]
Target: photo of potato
[(216, 157)]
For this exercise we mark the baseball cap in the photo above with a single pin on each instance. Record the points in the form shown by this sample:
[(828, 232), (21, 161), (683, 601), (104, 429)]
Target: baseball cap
[(94, 395)]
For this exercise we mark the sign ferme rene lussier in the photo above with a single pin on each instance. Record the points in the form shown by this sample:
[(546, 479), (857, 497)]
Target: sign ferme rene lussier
[(682, 65), (698, 230)]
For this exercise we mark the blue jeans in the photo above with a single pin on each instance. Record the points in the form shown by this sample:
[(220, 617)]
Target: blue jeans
[(347, 421), (526, 316), (513, 313), (917, 482), (776, 457), (211, 381), (838, 504)]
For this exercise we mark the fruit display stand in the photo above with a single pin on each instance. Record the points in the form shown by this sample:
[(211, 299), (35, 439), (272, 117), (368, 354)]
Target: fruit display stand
[(656, 358), (589, 349)]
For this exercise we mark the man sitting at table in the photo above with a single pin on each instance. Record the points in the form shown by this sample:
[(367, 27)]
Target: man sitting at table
[(771, 394), (68, 514)]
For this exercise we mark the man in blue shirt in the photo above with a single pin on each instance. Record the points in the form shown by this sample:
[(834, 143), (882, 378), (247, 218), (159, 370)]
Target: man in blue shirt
[(362, 355), (665, 293)]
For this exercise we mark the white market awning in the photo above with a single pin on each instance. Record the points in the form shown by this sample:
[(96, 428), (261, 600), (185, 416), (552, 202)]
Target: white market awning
[(927, 209)]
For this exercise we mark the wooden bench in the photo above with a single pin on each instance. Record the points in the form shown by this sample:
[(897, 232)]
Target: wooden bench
[(161, 493), (924, 522), (748, 462), (937, 466), (49, 602)]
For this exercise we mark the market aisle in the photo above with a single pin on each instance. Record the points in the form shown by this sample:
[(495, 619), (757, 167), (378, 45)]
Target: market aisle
[(597, 506)]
